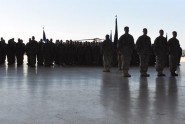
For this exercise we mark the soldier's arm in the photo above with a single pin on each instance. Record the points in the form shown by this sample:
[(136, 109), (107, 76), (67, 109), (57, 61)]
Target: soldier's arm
[(119, 44), (138, 44), (132, 42)]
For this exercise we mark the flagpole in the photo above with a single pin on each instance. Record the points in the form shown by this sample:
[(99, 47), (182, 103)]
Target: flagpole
[(116, 34), (44, 35)]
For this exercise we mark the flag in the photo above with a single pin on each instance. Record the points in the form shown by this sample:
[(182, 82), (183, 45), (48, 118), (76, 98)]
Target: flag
[(44, 36), (116, 34), (111, 35)]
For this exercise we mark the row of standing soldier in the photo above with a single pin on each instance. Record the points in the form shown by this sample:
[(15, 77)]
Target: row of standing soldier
[(69, 53), (161, 50), (60, 53)]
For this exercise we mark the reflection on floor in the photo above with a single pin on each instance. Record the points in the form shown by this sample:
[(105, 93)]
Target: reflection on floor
[(86, 95)]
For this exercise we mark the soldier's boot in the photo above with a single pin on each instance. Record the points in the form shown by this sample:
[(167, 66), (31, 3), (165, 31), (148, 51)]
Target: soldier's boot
[(120, 69), (174, 74), (105, 69), (160, 74), (126, 74), (145, 74)]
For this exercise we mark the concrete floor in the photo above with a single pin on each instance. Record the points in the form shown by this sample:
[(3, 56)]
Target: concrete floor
[(86, 95)]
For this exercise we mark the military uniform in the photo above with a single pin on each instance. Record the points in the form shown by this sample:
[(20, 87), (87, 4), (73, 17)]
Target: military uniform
[(174, 48), (31, 49), (107, 50), (20, 50), (88, 54), (48, 54), (2, 51), (119, 60), (144, 50), (61, 52), (70, 53), (11, 49), (180, 55), (126, 46), (40, 58), (96, 54), (161, 51)]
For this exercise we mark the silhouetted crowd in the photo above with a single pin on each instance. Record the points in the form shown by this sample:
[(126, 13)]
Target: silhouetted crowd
[(70, 53), (47, 53)]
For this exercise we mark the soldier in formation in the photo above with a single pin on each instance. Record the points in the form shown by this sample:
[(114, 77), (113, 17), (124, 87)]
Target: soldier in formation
[(174, 49), (144, 50), (107, 50), (31, 50), (20, 50), (3, 46), (40, 56), (126, 47), (161, 51), (48, 53), (10, 51)]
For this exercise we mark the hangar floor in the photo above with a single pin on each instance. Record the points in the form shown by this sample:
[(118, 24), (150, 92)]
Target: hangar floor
[(86, 95)]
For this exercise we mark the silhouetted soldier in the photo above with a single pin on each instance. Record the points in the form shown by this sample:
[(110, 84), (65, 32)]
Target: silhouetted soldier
[(20, 50), (2, 51), (31, 49), (135, 58), (88, 54), (11, 49), (107, 49), (180, 55), (101, 54), (27, 53), (161, 51), (126, 46), (75, 52), (96, 53), (40, 58), (119, 59), (70, 53), (53, 51), (144, 49), (174, 48), (80, 53), (152, 57), (48, 53), (57, 56), (61, 52)]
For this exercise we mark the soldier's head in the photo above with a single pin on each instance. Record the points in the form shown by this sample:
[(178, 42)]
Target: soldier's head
[(51, 40), (33, 38), (161, 32), (174, 33), (19, 39), (70, 42), (107, 37), (2, 40), (145, 31), (126, 29)]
